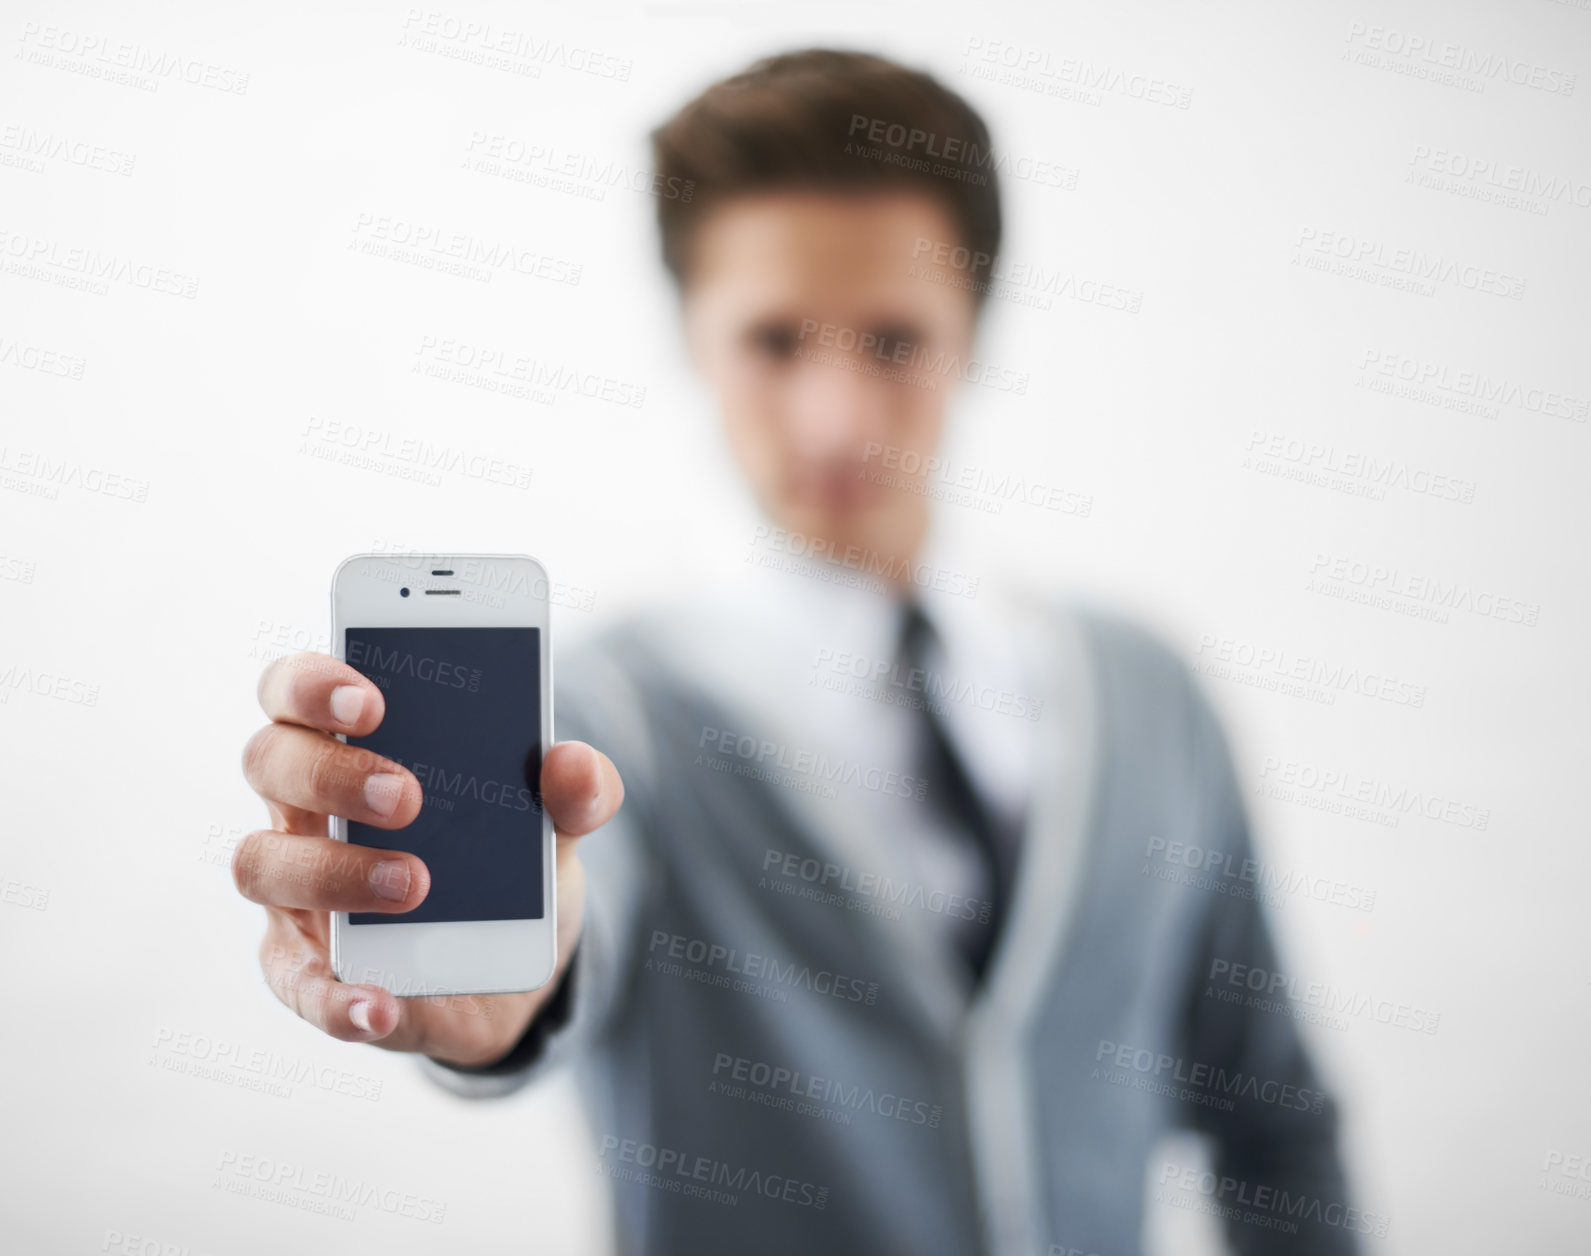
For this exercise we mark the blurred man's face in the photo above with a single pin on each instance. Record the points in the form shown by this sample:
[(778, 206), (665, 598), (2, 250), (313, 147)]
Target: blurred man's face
[(811, 318)]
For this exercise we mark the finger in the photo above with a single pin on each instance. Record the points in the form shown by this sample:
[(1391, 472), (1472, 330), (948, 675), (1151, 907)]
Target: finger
[(300, 976), (465, 1029), (580, 787), (319, 874), (318, 691), (297, 767)]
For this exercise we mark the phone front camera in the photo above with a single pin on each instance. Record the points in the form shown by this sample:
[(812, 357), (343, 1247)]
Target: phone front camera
[(403, 593)]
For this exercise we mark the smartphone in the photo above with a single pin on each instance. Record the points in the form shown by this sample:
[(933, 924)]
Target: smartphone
[(459, 646)]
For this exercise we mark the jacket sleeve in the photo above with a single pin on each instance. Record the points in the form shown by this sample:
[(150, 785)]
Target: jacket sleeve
[(597, 704), (1276, 1152)]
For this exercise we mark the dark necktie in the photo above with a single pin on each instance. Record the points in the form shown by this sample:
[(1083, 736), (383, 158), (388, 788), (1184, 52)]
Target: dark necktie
[(950, 788)]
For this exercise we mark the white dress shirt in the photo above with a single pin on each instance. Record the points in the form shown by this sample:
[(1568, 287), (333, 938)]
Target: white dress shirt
[(808, 648)]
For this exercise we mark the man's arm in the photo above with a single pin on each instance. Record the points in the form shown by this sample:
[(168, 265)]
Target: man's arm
[(1279, 1143)]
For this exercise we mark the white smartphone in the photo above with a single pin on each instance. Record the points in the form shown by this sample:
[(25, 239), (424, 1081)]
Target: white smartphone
[(459, 646)]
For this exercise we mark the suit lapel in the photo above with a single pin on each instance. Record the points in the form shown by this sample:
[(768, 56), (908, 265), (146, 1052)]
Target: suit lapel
[(1002, 1065)]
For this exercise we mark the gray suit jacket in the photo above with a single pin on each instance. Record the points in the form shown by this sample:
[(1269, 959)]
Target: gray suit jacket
[(780, 1053)]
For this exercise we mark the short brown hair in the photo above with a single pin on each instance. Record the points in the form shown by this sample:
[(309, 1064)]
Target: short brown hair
[(827, 120)]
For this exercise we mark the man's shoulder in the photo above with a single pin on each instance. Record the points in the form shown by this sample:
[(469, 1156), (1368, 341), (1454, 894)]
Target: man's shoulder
[(635, 678), (643, 647), (1124, 647), (1152, 702)]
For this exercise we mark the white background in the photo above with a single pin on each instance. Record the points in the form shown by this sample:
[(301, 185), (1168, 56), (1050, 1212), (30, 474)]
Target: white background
[(131, 632)]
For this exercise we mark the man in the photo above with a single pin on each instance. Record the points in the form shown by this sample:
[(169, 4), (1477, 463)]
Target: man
[(873, 958)]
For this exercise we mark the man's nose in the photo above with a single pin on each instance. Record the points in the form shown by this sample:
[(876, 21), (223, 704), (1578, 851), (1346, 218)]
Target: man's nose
[(836, 407)]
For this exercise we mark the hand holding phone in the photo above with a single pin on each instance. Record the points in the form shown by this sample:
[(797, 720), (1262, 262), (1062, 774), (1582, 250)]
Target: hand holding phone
[(306, 774)]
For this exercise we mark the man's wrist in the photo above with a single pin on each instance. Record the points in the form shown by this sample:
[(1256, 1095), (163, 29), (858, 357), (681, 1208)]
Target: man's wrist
[(550, 1017)]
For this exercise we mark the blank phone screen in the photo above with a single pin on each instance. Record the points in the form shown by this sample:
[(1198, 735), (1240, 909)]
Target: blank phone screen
[(463, 715)]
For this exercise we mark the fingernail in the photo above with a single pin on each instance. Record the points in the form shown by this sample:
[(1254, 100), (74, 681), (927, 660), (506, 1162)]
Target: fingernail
[(390, 879), (382, 792), (359, 1014), (346, 703)]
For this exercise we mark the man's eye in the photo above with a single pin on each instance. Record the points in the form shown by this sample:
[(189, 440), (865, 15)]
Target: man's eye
[(896, 342), (774, 341)]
